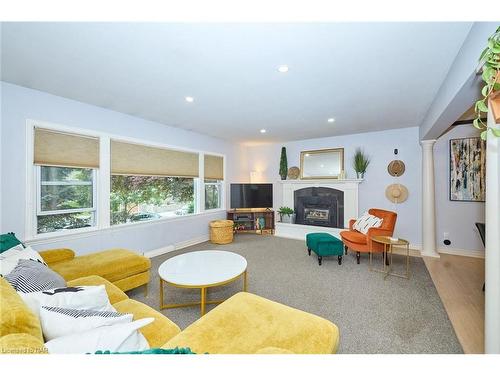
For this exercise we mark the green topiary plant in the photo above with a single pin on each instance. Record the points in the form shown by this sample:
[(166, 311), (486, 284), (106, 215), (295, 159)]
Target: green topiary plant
[(285, 212), (283, 164), (360, 162), (490, 58)]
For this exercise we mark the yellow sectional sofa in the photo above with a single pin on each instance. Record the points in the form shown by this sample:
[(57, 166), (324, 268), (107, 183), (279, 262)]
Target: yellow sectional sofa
[(20, 330), (124, 268), (243, 324)]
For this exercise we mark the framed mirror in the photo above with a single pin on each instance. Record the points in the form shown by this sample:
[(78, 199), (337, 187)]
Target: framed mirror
[(317, 164)]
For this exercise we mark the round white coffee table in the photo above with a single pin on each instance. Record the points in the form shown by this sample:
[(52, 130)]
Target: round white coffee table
[(201, 270)]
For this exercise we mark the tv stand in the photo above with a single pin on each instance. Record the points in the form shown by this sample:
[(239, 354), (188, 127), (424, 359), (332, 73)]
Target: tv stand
[(252, 220)]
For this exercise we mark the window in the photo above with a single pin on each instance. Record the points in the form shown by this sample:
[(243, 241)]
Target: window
[(143, 198), (213, 190), (69, 191), (66, 198)]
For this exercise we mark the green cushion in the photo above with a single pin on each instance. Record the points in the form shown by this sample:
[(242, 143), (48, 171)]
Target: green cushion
[(151, 351), (324, 244), (8, 241)]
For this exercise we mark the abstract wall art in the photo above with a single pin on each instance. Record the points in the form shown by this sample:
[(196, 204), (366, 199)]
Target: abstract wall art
[(467, 169)]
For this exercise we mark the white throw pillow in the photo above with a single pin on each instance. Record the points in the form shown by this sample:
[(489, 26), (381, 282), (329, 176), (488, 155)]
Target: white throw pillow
[(10, 258), (367, 221), (71, 297), (117, 338), (59, 321)]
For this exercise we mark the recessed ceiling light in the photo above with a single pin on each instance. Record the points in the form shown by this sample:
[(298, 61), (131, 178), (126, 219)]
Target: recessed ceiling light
[(263, 130), (189, 99), (283, 68), (331, 119)]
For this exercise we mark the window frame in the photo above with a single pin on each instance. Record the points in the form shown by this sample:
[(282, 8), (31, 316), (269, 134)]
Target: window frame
[(219, 185), (102, 185), (38, 198)]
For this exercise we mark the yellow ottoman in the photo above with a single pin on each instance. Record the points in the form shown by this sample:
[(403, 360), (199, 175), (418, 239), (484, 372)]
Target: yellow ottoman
[(247, 324), (221, 231)]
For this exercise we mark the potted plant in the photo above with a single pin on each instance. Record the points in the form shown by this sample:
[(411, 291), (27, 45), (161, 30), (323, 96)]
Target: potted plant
[(490, 58), (360, 163), (285, 214), (283, 164)]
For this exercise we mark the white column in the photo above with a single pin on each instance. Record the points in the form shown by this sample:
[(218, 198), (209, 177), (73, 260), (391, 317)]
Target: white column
[(492, 248), (428, 200)]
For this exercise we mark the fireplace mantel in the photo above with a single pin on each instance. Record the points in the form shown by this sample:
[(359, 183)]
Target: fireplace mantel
[(298, 231), (326, 181)]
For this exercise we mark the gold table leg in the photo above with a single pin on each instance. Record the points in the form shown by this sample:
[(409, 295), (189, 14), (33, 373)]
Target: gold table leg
[(245, 281), (203, 300), (161, 293), (203, 295)]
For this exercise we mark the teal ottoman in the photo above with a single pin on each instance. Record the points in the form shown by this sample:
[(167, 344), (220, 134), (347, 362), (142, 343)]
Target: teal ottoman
[(324, 244)]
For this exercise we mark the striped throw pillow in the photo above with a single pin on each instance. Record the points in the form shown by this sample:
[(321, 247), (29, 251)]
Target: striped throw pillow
[(33, 276), (367, 221)]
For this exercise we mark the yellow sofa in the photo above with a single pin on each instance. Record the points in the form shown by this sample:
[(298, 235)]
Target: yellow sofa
[(124, 268), (243, 324)]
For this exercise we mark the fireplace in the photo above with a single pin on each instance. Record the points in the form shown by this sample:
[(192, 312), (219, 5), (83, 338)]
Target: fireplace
[(320, 206)]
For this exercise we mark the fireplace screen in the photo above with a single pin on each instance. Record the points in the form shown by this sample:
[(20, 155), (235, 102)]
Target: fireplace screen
[(316, 214)]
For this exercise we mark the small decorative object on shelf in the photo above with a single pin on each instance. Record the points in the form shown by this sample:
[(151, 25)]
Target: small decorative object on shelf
[(252, 220), (342, 175), (360, 163), (283, 164), (285, 214), (293, 173)]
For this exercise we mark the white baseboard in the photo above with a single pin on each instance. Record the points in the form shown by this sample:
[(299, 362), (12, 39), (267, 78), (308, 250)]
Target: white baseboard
[(176, 246), (461, 252), (454, 251), (191, 242)]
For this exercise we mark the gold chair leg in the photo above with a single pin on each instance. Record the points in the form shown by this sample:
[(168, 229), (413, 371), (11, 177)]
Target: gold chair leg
[(245, 281)]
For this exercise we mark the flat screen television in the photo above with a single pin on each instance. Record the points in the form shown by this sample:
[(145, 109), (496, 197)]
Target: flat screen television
[(251, 195)]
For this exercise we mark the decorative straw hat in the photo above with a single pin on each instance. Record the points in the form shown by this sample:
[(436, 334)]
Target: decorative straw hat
[(396, 168), (396, 193)]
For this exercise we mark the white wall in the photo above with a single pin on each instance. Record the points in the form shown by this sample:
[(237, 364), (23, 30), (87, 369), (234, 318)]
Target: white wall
[(492, 261), (456, 218), (19, 104), (379, 146)]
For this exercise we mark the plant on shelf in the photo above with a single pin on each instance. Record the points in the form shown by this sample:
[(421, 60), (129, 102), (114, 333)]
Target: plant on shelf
[(285, 214), (283, 164), (360, 163), (490, 58)]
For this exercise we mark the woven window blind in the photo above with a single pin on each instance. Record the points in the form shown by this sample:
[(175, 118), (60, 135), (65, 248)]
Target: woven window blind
[(214, 167), (134, 159), (64, 149)]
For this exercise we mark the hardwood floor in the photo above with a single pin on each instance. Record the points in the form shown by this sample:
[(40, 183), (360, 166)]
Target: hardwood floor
[(459, 281)]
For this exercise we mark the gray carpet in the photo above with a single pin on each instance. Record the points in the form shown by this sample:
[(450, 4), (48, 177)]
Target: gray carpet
[(374, 315)]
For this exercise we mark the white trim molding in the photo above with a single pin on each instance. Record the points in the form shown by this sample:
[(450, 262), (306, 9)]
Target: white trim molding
[(174, 247)]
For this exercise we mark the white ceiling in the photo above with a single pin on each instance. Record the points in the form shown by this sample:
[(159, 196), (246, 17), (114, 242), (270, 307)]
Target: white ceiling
[(368, 76)]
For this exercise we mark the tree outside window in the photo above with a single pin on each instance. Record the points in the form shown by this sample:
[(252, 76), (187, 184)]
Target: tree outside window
[(142, 198)]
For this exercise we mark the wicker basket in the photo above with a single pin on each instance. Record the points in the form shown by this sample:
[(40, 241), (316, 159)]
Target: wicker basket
[(221, 231)]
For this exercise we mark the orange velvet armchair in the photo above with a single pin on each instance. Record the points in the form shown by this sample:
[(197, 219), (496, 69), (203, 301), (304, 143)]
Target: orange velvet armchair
[(361, 243)]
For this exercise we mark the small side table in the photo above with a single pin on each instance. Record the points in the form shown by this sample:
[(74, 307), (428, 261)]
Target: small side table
[(388, 249)]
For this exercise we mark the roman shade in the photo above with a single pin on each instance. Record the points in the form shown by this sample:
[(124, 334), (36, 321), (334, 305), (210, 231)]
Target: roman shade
[(135, 159), (214, 167), (64, 149)]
